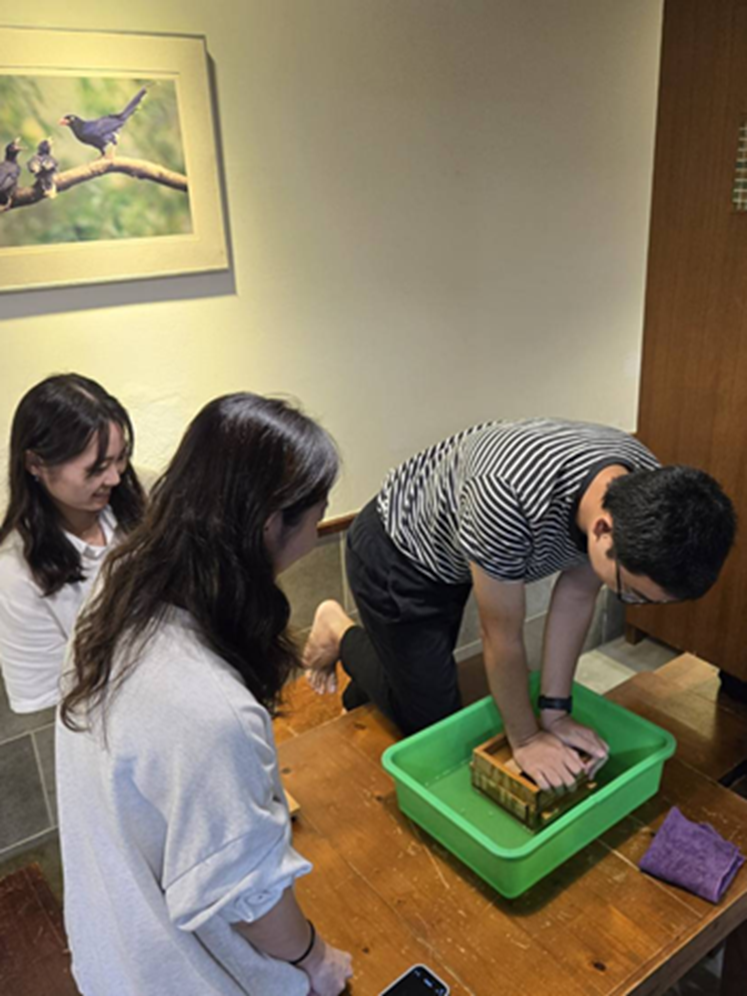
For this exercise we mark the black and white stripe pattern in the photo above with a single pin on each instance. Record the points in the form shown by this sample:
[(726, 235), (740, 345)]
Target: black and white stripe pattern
[(502, 495)]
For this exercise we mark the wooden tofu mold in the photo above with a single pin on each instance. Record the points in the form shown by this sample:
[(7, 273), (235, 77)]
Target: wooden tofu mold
[(495, 773)]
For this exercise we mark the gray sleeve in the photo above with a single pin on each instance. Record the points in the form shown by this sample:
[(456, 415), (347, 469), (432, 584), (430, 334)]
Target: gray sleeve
[(228, 837)]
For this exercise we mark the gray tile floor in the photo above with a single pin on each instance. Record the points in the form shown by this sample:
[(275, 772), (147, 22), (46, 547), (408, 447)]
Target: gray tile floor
[(47, 855), (611, 664)]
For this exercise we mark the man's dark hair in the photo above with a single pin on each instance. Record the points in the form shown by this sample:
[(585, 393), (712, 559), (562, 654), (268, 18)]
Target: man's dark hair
[(674, 525)]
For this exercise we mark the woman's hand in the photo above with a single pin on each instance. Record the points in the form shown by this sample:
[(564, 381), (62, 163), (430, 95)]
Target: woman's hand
[(328, 969), (284, 930), (580, 737)]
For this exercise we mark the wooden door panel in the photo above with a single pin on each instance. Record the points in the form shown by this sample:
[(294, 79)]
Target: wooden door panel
[(693, 402)]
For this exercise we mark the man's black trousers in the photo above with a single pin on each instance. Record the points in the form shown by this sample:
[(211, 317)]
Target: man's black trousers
[(402, 658)]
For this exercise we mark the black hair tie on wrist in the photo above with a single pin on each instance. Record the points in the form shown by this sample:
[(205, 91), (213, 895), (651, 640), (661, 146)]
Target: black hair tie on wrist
[(307, 952), (547, 702)]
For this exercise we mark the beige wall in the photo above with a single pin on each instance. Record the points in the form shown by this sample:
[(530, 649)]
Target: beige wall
[(438, 212)]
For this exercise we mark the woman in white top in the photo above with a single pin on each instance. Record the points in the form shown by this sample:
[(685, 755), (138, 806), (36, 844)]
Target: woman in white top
[(175, 833), (72, 492)]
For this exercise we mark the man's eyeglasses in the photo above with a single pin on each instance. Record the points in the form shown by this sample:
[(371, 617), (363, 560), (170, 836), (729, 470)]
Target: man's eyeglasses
[(632, 597)]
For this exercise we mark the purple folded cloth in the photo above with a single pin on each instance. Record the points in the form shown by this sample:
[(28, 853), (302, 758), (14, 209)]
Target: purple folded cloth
[(692, 855)]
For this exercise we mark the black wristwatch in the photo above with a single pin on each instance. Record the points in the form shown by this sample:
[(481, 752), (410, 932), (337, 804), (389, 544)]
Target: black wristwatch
[(547, 702)]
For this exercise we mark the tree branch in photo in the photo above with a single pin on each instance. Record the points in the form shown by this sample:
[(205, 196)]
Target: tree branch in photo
[(139, 169)]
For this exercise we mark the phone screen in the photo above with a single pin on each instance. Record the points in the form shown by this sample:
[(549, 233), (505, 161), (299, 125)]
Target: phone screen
[(419, 981)]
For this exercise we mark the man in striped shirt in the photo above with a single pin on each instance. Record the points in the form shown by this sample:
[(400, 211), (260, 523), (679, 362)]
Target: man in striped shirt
[(490, 509)]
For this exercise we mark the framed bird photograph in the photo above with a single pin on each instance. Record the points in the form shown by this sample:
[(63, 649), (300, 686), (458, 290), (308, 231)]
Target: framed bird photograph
[(108, 159)]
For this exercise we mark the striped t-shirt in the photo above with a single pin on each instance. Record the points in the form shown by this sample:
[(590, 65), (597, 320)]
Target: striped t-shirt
[(503, 495)]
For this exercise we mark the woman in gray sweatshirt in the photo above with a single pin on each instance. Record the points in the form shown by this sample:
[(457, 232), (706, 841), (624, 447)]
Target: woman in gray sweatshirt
[(176, 839)]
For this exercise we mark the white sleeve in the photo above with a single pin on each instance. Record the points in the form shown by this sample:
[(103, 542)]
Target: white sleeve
[(243, 881), (32, 643), (228, 845)]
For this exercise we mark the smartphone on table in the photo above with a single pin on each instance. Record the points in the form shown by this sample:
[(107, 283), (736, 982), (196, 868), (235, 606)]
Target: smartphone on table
[(417, 981)]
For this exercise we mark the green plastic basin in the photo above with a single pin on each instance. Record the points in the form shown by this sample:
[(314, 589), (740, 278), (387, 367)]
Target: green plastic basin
[(432, 777)]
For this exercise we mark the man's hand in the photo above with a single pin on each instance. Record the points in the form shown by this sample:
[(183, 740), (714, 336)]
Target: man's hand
[(573, 734), (548, 761)]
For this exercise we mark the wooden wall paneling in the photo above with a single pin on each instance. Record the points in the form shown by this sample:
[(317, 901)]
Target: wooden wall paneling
[(693, 402)]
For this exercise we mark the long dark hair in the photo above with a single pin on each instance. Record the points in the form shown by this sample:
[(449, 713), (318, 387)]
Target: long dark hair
[(56, 421), (201, 547)]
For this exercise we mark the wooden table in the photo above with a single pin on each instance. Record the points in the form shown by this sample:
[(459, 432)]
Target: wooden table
[(384, 890)]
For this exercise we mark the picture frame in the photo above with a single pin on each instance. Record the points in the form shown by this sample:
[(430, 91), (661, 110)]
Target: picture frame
[(128, 185)]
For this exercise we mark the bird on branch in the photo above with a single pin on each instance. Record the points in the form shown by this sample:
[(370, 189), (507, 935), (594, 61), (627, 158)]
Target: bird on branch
[(10, 170), (44, 167), (101, 132)]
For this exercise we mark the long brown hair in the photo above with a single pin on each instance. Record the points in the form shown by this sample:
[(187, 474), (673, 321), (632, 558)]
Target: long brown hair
[(201, 547), (56, 420)]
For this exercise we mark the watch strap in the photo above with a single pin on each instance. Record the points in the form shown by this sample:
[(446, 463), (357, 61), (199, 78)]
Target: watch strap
[(550, 702)]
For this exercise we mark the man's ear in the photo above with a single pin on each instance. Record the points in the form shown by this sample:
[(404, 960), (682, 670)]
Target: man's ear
[(601, 534), (602, 526)]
